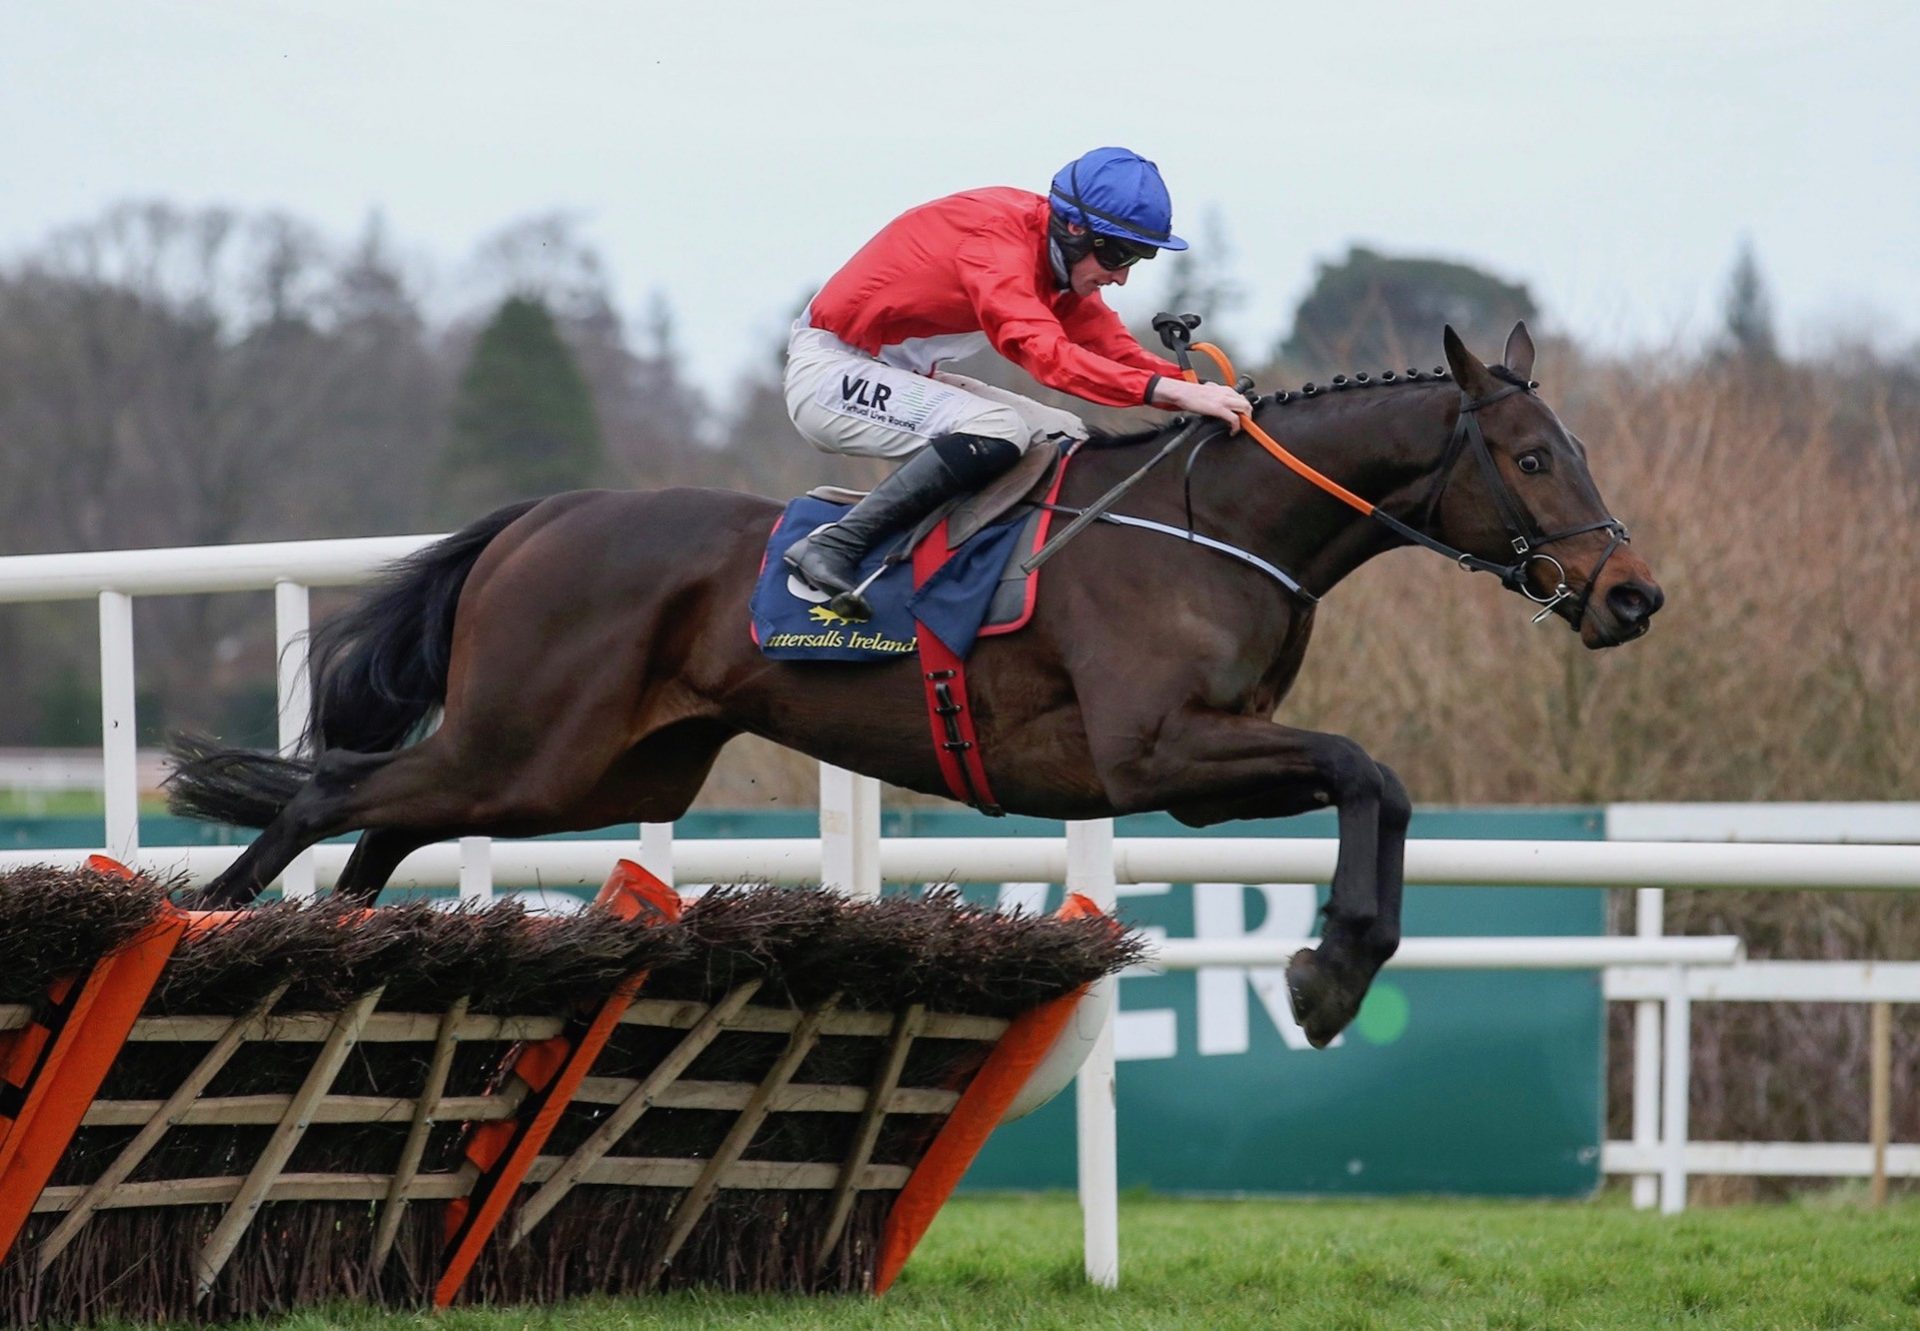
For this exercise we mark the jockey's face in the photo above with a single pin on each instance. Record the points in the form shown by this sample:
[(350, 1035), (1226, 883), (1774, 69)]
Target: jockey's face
[(1087, 276)]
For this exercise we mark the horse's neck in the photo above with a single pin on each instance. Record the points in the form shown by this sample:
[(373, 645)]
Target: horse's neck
[(1382, 444)]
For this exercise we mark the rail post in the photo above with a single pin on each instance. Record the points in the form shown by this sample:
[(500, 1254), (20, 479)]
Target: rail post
[(1880, 1096), (656, 850), (1649, 908), (118, 751), (1676, 1085), (291, 620), (476, 870), (849, 832), (1090, 872)]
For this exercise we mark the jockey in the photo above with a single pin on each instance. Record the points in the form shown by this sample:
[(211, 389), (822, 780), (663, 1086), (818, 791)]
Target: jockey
[(989, 267)]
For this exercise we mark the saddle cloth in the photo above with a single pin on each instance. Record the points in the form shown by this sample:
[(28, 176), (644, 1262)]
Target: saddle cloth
[(980, 589)]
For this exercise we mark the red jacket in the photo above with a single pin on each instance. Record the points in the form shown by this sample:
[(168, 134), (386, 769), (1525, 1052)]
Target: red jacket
[(944, 279)]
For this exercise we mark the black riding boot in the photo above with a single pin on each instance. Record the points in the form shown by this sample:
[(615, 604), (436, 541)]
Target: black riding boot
[(950, 466)]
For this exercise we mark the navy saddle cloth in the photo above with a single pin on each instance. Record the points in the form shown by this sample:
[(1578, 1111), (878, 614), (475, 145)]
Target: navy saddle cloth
[(791, 621)]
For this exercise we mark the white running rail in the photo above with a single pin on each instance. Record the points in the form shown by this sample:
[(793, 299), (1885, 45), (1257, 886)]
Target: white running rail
[(1662, 976)]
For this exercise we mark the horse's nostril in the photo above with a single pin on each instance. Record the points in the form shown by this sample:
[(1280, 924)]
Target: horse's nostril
[(1631, 602)]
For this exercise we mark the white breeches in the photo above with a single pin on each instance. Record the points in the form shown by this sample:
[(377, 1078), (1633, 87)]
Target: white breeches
[(845, 401)]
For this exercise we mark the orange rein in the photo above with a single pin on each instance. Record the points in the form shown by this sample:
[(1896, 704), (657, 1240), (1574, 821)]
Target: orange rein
[(1268, 442)]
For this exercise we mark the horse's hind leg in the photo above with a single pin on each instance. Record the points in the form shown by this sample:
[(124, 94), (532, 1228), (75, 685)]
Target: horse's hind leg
[(654, 781), (313, 814), (378, 853), (436, 789), (432, 791), (402, 800)]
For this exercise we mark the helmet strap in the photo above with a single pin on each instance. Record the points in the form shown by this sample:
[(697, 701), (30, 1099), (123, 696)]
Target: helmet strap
[(1064, 249)]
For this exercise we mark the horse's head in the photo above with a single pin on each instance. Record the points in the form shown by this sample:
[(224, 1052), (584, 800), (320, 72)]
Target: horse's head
[(1526, 500)]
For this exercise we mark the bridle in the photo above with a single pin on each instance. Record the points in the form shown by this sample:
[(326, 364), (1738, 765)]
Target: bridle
[(1524, 535)]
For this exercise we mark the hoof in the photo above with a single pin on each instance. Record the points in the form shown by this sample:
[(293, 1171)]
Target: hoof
[(1321, 1003)]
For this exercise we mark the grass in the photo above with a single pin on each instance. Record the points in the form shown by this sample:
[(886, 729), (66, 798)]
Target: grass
[(66, 803), (1331, 1266), (50, 803)]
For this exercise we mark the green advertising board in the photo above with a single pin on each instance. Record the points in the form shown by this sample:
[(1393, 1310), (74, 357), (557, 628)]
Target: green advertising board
[(1483, 1082)]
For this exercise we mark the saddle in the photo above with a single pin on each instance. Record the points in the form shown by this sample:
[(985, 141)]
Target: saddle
[(958, 571), (956, 577)]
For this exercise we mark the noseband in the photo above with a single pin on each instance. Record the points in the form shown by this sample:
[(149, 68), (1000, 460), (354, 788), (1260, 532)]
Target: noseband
[(1524, 534)]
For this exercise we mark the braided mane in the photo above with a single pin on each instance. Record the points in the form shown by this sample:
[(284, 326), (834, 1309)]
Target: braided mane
[(1285, 397)]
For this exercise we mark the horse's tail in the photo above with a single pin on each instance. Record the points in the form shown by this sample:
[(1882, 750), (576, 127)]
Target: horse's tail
[(239, 786), (379, 670)]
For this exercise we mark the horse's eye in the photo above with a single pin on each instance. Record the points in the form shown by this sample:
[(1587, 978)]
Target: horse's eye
[(1533, 463)]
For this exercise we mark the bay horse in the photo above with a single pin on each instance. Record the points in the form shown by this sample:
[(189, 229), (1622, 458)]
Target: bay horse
[(589, 654)]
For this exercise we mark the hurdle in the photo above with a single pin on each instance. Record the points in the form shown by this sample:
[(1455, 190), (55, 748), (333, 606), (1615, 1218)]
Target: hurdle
[(228, 1114)]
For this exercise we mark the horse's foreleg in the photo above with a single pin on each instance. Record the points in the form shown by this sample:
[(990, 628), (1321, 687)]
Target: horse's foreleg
[(1327, 984), (1212, 768), (1390, 875)]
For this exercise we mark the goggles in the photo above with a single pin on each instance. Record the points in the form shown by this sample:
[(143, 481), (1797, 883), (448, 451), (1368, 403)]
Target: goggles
[(1113, 253)]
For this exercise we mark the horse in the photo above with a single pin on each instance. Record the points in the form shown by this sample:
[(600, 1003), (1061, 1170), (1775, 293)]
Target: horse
[(588, 654)]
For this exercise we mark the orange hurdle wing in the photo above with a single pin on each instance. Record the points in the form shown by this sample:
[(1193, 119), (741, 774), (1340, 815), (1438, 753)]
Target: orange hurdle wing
[(993, 1088)]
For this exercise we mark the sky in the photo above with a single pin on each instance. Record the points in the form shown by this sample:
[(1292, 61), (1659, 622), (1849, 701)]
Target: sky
[(731, 154)]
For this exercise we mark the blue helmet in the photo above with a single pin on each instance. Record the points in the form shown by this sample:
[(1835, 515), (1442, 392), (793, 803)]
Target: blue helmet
[(1115, 192)]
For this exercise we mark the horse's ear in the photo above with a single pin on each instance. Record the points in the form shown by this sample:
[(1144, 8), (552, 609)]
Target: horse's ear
[(1518, 356), (1468, 369)]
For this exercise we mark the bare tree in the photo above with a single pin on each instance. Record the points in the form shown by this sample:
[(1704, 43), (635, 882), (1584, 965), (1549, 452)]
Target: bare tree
[(182, 377)]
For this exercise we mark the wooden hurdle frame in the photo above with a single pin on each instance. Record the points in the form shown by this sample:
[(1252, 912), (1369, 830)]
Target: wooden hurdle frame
[(505, 1184)]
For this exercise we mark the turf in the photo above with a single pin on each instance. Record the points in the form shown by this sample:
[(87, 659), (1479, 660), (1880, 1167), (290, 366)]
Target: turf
[(1014, 1262)]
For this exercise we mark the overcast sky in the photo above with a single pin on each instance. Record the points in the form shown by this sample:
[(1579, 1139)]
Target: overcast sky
[(732, 154)]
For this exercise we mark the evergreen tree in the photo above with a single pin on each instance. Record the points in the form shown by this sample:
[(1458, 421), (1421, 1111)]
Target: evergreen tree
[(523, 419), (1371, 309), (1748, 311)]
